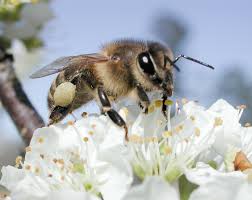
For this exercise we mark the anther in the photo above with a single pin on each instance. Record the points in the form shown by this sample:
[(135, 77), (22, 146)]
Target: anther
[(85, 139), (218, 121)]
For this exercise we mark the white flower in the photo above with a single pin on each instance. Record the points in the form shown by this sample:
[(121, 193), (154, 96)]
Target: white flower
[(157, 151), (24, 60), (153, 188), (70, 194), (90, 159), (214, 184), (231, 137), (32, 17), (80, 157), (239, 157), (12, 4), (15, 2), (230, 126)]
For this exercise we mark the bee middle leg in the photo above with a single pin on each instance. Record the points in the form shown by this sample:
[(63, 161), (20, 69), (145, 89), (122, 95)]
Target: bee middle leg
[(113, 115)]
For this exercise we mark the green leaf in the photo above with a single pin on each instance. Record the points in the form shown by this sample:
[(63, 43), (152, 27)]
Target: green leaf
[(33, 43), (10, 15), (185, 188), (213, 164), (140, 173), (172, 173), (88, 186), (5, 43)]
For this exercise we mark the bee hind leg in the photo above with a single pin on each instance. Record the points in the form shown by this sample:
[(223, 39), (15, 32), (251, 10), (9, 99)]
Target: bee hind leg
[(57, 114), (113, 115)]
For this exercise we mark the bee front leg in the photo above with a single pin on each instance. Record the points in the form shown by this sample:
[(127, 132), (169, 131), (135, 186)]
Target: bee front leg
[(113, 115), (164, 107), (144, 101)]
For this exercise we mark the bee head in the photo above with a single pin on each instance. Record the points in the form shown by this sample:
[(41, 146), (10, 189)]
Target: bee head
[(154, 64)]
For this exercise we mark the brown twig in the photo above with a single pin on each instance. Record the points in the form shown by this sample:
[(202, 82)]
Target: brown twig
[(15, 100)]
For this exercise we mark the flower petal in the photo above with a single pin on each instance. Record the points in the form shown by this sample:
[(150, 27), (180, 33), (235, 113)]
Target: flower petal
[(70, 194), (153, 188), (218, 185)]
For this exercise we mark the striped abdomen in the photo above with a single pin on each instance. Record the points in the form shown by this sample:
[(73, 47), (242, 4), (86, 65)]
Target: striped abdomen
[(85, 83)]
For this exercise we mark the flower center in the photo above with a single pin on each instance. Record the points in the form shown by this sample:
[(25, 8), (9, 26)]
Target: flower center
[(177, 146)]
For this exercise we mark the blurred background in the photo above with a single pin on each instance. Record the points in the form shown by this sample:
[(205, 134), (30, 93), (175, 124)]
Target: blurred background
[(217, 32)]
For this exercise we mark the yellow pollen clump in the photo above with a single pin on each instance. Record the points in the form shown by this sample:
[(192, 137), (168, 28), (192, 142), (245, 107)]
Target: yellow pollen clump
[(241, 162), (40, 140), (91, 132), (192, 118), (126, 111), (84, 114), (179, 128), (27, 167), (64, 94), (18, 161), (197, 131), (154, 139), (85, 139), (158, 103), (151, 109), (135, 138), (168, 102), (70, 123), (61, 161), (241, 107), (218, 121), (247, 124), (37, 170), (28, 149), (167, 134), (167, 149), (147, 139), (184, 101)]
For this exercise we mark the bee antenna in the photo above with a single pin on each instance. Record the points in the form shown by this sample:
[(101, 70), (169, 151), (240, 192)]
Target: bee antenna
[(172, 63), (192, 59)]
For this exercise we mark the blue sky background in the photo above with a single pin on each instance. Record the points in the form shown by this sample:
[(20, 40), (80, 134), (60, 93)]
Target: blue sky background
[(219, 32)]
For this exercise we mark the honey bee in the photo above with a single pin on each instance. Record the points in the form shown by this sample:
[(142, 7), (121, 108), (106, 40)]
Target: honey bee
[(121, 68)]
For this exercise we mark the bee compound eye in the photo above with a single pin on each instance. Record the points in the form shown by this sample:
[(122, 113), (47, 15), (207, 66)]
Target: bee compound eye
[(146, 64), (115, 58)]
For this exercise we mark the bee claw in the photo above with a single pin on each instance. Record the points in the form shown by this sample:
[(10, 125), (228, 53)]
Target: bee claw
[(126, 133), (50, 122)]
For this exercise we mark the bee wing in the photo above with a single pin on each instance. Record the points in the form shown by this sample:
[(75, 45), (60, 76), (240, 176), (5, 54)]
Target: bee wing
[(64, 62)]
